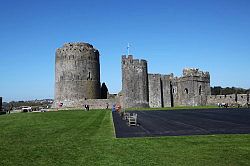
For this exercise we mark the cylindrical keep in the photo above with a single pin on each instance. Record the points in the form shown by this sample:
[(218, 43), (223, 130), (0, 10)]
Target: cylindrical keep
[(77, 72)]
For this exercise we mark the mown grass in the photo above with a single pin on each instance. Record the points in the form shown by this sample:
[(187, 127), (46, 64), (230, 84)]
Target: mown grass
[(87, 138)]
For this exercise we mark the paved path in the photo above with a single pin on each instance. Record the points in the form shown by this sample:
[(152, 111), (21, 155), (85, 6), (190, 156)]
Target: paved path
[(185, 122)]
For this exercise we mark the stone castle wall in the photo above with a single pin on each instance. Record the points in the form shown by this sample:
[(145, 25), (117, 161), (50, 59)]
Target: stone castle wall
[(193, 88), (93, 103), (134, 82), (189, 90), (77, 72), (155, 90), (167, 92), (232, 99)]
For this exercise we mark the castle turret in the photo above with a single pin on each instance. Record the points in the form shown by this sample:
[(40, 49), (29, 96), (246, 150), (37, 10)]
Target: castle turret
[(77, 72), (134, 82), (193, 87)]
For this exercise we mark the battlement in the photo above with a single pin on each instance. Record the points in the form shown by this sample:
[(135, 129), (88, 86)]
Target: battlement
[(78, 44), (131, 61), (79, 47), (167, 76), (187, 72), (154, 75), (162, 76)]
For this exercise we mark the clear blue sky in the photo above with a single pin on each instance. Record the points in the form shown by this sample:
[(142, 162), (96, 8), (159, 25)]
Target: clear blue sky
[(213, 35)]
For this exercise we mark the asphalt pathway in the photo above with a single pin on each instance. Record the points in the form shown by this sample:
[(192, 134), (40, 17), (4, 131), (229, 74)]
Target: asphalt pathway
[(185, 122)]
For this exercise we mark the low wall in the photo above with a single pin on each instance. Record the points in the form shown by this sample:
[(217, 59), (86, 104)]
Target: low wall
[(231, 99), (93, 103), (242, 99)]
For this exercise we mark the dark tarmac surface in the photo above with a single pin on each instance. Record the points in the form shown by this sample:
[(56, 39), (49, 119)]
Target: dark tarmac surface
[(185, 122)]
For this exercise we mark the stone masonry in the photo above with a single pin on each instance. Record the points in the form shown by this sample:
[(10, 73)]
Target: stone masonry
[(134, 82), (232, 99), (77, 82), (191, 89), (77, 73), (155, 90)]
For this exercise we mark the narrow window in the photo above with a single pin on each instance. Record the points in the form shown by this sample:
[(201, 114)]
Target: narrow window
[(200, 90), (89, 75), (186, 90)]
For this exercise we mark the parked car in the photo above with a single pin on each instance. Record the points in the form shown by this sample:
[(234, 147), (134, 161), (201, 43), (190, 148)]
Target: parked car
[(26, 109)]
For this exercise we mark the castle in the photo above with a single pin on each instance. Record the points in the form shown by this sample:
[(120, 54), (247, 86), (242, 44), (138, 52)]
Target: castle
[(141, 89), (77, 82)]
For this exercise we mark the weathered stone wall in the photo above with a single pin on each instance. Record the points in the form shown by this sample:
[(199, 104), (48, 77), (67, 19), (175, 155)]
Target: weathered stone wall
[(185, 92), (160, 94), (93, 103), (167, 93), (189, 90), (134, 82), (175, 91), (242, 99), (232, 99), (77, 72), (155, 90), (193, 88), (215, 99)]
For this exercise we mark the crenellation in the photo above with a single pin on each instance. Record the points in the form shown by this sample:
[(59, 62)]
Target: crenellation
[(195, 72), (136, 62), (231, 99)]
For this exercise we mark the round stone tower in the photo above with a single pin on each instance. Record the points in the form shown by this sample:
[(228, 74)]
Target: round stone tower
[(77, 73)]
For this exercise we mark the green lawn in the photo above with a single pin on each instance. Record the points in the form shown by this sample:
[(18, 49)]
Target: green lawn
[(87, 138)]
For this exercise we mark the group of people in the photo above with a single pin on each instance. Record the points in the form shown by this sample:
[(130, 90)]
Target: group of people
[(115, 107), (225, 105)]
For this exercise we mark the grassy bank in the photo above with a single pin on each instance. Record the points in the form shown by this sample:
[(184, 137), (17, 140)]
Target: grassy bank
[(87, 138)]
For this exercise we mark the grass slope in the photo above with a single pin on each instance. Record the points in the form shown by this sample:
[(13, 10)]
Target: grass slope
[(87, 138)]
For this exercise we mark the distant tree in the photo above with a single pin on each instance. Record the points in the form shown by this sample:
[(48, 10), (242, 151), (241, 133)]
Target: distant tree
[(217, 90)]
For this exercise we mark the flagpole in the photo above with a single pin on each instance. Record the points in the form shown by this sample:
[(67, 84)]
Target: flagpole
[(128, 49)]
